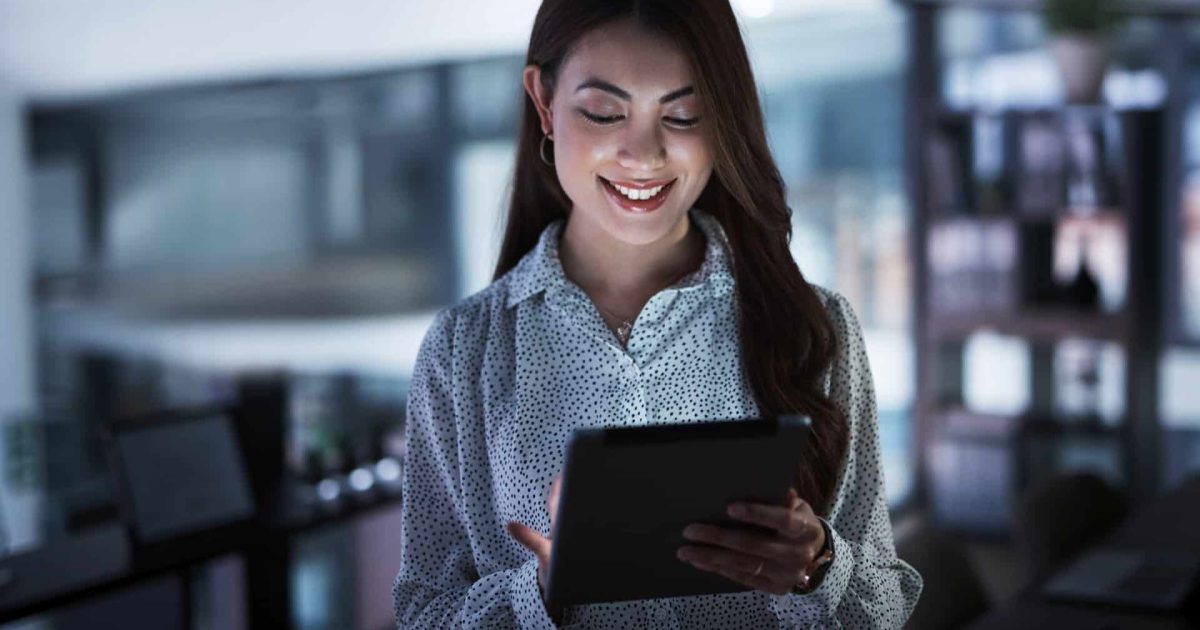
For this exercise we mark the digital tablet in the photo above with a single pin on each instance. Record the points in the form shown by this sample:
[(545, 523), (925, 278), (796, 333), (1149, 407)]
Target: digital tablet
[(628, 492)]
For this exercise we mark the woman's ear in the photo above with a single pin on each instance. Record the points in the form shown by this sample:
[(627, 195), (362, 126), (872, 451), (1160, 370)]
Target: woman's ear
[(532, 77)]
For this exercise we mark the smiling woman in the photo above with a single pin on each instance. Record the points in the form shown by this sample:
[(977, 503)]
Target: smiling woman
[(628, 136), (645, 277)]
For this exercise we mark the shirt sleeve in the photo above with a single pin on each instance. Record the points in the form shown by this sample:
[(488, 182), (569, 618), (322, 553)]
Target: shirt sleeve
[(438, 585), (867, 585)]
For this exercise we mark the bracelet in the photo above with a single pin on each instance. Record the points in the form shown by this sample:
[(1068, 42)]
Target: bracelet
[(816, 568)]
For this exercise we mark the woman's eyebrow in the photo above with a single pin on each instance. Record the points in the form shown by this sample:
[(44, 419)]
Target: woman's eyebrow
[(601, 84)]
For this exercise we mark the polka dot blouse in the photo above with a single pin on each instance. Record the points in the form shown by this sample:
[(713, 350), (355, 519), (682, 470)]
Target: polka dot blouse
[(505, 375)]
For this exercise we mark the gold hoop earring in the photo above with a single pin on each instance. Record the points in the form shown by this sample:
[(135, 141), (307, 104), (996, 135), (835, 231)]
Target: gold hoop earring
[(542, 151)]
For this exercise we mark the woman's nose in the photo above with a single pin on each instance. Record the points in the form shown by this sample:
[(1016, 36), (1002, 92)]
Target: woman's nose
[(643, 150)]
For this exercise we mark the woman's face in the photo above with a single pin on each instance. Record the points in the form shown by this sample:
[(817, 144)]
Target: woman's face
[(623, 114)]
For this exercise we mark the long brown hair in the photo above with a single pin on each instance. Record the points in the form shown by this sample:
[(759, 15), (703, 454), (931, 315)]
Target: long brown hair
[(787, 337)]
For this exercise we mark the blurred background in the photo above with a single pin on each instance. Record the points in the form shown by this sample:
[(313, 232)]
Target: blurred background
[(230, 223)]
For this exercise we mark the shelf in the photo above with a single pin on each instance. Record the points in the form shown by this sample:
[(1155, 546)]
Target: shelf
[(958, 422), (940, 217), (951, 114), (1036, 324), (1019, 167), (1068, 428), (980, 463)]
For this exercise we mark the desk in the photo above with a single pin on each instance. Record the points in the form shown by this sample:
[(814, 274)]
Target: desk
[(1170, 522), (103, 561)]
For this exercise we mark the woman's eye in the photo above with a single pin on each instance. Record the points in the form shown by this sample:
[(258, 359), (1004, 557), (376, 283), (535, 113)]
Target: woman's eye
[(600, 120), (683, 122), (608, 120)]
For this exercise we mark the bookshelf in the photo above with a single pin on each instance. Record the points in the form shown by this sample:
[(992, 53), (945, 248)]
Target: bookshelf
[(1044, 227)]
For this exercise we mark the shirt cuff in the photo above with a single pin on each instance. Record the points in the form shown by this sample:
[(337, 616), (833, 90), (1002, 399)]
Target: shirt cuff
[(527, 603), (795, 609)]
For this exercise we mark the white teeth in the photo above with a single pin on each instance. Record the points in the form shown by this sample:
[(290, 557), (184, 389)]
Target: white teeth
[(638, 194)]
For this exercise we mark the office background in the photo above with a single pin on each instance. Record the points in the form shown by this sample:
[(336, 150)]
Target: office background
[(199, 195)]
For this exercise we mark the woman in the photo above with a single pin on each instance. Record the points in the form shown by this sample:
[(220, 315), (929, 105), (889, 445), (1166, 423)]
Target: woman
[(645, 277)]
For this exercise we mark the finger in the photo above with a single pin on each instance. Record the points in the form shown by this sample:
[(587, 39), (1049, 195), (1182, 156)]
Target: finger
[(552, 498), (797, 523), (794, 499), (758, 582), (731, 560), (530, 539), (752, 543)]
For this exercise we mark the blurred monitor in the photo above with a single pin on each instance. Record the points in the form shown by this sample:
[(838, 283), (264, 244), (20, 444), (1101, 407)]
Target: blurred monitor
[(179, 475)]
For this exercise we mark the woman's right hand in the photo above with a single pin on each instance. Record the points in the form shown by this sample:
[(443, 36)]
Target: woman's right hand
[(532, 540)]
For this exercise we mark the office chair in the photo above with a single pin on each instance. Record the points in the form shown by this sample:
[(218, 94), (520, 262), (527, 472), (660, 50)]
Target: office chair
[(1060, 517), (952, 595)]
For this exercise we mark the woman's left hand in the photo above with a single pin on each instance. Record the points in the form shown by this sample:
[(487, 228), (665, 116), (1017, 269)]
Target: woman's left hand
[(773, 562)]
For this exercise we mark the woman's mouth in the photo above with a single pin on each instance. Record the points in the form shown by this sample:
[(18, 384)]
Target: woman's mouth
[(638, 199)]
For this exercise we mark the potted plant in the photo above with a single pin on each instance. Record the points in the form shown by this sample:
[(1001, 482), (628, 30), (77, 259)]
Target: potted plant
[(1081, 42)]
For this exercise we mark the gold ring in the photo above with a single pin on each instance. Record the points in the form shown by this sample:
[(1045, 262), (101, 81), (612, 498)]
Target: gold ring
[(760, 566)]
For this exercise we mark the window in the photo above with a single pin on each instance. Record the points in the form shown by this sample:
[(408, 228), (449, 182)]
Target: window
[(835, 122)]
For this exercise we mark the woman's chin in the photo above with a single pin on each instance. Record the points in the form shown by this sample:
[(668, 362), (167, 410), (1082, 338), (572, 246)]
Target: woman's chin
[(642, 230)]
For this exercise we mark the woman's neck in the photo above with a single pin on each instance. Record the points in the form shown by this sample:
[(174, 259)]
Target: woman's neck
[(622, 276)]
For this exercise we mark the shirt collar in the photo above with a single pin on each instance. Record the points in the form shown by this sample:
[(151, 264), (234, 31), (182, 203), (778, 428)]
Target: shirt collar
[(541, 268)]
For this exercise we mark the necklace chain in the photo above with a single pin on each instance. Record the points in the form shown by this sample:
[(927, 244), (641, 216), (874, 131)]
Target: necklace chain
[(626, 325)]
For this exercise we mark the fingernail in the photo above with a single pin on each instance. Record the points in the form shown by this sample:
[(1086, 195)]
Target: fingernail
[(691, 531), (736, 509), (683, 554)]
